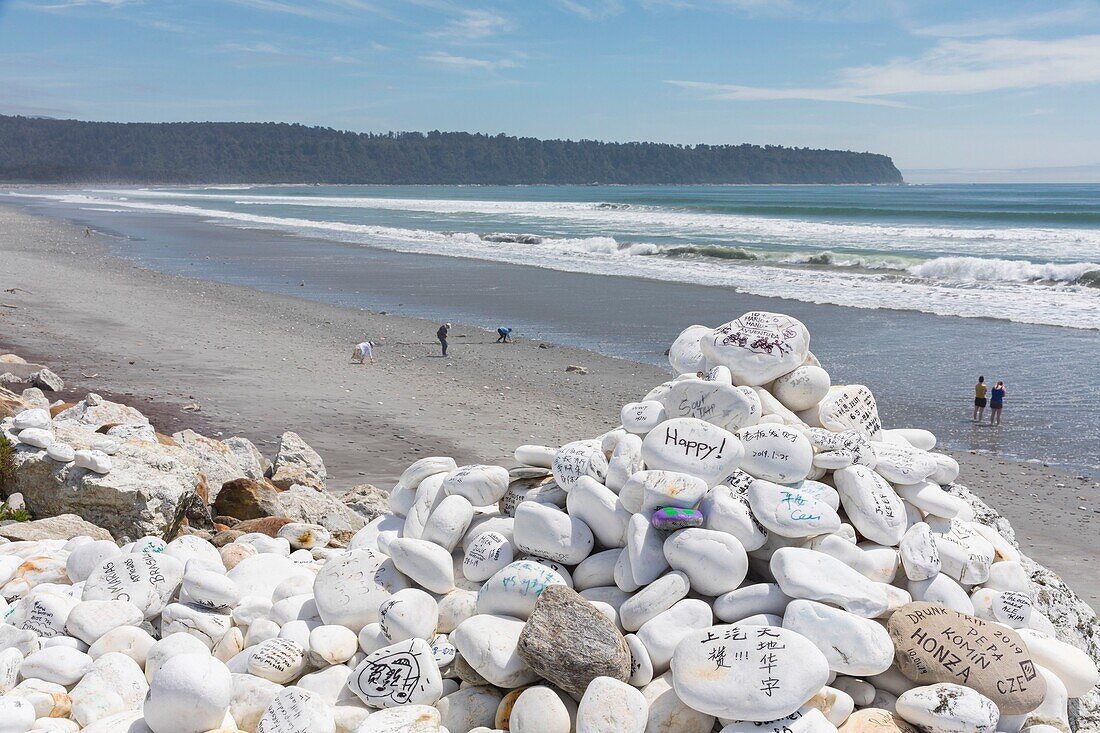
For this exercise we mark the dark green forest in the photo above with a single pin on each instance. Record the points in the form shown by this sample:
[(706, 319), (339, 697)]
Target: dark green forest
[(36, 150)]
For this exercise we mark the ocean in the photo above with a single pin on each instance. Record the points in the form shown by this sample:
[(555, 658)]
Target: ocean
[(913, 290)]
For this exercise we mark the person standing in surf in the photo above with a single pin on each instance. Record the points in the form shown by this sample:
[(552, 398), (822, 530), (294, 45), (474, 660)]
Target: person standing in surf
[(979, 400), (996, 403), (441, 334)]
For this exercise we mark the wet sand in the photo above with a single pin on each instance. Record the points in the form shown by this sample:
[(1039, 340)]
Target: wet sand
[(259, 363)]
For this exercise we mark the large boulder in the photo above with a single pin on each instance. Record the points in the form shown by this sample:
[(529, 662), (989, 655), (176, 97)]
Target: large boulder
[(245, 498), (249, 458), (297, 463), (303, 504), (47, 380), (96, 412), (367, 501), (217, 461), (62, 527), (141, 494)]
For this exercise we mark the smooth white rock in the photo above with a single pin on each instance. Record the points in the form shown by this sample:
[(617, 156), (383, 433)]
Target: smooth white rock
[(964, 554), (931, 499), (539, 709), (408, 614), (576, 459), (903, 465), (90, 620), (206, 625), (611, 706), (405, 719), (480, 485), (600, 509), (714, 562), (655, 598), (948, 708), (400, 674), (350, 587), (750, 600), (61, 665), (36, 418), (469, 708), (189, 693), (663, 632), (61, 452), (871, 504), (802, 388), (301, 535), (726, 508), (718, 403), (114, 684), (685, 354), (944, 590), (428, 494), (852, 645), (425, 563), (947, 469), (694, 447), (719, 670), (645, 550), (789, 512), (16, 715), (514, 589), (37, 438), (548, 532), (425, 467), (259, 575), (92, 460), (758, 347), (448, 522), (668, 713), (488, 644), (625, 460), (596, 570), (1074, 667), (641, 417), (919, 555), (815, 576), (539, 456)]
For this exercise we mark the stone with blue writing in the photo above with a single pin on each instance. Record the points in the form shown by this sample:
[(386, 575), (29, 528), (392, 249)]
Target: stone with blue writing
[(752, 673), (935, 644), (789, 512), (776, 453), (641, 417), (671, 518), (717, 403), (576, 459), (692, 446), (758, 347), (514, 590), (686, 355), (400, 674)]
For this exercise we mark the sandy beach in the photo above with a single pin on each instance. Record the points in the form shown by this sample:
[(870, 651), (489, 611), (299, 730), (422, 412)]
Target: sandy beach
[(258, 363)]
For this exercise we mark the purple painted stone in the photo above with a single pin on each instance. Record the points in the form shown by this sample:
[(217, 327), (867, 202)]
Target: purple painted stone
[(671, 518)]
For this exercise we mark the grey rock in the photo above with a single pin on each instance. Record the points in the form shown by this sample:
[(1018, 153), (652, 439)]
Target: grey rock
[(295, 458), (216, 460), (367, 501), (249, 458), (304, 504), (96, 412), (34, 398), (61, 527), (569, 642), (46, 380)]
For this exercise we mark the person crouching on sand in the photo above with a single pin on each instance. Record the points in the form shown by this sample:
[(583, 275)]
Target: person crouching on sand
[(996, 402), (441, 334), (979, 400), (363, 351), (504, 335)]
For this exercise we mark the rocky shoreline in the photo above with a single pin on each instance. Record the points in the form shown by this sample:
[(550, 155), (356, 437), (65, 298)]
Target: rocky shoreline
[(178, 577)]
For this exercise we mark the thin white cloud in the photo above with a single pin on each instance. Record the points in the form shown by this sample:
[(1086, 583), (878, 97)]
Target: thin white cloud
[(62, 5), (475, 25), (592, 9), (952, 67), (1008, 25), (466, 63), (326, 10)]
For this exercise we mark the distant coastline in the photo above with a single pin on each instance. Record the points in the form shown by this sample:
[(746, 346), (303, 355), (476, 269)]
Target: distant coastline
[(38, 150)]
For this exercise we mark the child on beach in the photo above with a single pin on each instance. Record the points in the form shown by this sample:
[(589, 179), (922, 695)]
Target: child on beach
[(504, 335), (996, 402), (363, 351), (979, 400)]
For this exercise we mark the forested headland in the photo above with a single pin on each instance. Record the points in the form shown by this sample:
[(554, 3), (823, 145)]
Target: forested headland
[(38, 150)]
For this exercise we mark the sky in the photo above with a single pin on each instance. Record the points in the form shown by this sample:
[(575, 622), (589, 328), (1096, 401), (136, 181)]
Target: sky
[(969, 90)]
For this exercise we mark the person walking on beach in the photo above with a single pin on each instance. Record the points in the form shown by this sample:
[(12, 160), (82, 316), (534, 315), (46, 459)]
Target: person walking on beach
[(504, 335), (441, 334), (979, 400), (363, 351), (996, 402)]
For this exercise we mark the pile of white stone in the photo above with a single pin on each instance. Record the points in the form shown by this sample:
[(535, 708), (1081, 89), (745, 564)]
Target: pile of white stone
[(750, 551)]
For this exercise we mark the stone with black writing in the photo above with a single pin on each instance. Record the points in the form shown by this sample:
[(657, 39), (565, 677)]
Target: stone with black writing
[(936, 644), (758, 347), (715, 562), (641, 417), (853, 645), (790, 513), (839, 450), (671, 518), (717, 403), (1011, 608), (753, 673), (875, 720), (815, 576), (147, 580), (409, 613), (400, 674), (872, 505), (569, 642), (209, 589), (514, 590), (806, 719), (279, 660), (776, 453), (480, 485), (965, 554), (551, 533), (695, 447), (576, 459), (919, 556), (903, 465), (351, 586), (948, 708), (850, 407), (295, 710), (802, 388), (488, 553)]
